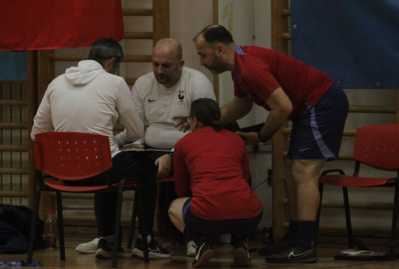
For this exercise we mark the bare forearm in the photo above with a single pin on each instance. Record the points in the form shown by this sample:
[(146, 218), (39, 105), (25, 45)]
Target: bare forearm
[(236, 109), (274, 122)]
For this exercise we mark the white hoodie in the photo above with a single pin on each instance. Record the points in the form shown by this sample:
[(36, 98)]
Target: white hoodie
[(87, 99)]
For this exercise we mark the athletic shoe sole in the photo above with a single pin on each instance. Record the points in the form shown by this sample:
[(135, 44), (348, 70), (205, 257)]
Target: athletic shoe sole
[(204, 259), (241, 258), (106, 255), (140, 254), (85, 251), (88, 248)]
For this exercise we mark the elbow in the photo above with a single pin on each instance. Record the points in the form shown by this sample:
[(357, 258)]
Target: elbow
[(288, 110), (285, 110)]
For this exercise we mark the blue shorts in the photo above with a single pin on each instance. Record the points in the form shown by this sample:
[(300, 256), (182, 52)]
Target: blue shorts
[(201, 227), (317, 133)]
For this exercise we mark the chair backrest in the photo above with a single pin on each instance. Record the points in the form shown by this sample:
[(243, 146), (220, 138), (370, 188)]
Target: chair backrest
[(72, 155), (378, 146)]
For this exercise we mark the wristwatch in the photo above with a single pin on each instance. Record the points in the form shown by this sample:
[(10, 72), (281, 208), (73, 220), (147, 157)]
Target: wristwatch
[(263, 139)]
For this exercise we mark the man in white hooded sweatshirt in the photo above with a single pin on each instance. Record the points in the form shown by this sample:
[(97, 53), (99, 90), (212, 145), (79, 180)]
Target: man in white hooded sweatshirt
[(88, 98)]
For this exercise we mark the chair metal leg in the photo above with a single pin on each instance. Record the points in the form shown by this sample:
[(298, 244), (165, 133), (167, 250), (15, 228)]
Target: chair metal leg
[(348, 217), (394, 220), (60, 226), (33, 224), (321, 188), (132, 223), (117, 232), (140, 209)]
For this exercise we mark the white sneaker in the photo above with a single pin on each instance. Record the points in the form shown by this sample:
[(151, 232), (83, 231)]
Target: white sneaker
[(89, 247), (191, 249)]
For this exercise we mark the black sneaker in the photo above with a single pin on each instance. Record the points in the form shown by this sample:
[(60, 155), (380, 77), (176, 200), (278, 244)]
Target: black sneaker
[(268, 250), (154, 250), (105, 249), (293, 254), (241, 255), (204, 253)]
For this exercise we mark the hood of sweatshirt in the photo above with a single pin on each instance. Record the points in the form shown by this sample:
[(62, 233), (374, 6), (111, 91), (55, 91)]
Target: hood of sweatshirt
[(84, 73)]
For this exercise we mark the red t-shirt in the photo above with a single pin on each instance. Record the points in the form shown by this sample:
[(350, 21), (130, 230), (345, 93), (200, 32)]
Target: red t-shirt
[(260, 71), (213, 168)]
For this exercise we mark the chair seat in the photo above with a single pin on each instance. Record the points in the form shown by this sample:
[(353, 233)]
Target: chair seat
[(352, 181), (60, 185)]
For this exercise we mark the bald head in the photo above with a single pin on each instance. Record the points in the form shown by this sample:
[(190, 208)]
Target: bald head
[(167, 61), (169, 46)]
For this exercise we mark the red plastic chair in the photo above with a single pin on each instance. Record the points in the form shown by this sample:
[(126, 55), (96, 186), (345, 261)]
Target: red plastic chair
[(71, 156), (376, 146)]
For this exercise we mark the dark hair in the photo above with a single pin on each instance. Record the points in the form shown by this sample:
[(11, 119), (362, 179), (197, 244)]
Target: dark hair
[(207, 111), (104, 49), (215, 34)]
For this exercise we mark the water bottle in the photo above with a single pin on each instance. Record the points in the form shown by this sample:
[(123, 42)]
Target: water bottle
[(50, 230)]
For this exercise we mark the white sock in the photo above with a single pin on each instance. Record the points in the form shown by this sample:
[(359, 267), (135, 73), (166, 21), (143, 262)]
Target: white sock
[(148, 238)]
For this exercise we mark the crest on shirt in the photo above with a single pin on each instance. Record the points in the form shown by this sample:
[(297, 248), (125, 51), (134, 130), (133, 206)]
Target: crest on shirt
[(181, 96)]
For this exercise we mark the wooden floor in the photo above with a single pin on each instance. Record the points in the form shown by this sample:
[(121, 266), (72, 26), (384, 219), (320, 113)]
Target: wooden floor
[(49, 258)]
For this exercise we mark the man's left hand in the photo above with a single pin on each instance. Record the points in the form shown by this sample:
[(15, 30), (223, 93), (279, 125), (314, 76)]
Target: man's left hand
[(250, 138)]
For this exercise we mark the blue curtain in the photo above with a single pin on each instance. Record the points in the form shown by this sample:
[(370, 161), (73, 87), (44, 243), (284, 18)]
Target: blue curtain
[(13, 66), (356, 42)]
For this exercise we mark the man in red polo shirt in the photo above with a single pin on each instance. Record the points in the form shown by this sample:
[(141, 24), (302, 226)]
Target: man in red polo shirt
[(289, 90)]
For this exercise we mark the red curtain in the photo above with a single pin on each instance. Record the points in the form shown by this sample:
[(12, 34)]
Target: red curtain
[(53, 24)]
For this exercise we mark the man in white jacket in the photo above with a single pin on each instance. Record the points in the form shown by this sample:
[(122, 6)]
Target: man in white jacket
[(88, 98)]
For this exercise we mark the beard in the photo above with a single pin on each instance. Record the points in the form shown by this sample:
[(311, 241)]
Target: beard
[(162, 79), (216, 67)]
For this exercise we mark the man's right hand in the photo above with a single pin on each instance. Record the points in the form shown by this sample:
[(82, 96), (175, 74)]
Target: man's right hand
[(182, 123), (164, 164)]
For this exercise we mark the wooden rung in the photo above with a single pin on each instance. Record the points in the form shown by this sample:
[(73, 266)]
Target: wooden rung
[(345, 156), (137, 12), (372, 109), (16, 148), (89, 196), (68, 195), (357, 205), (76, 57), (77, 207), (13, 125), (4, 102), (358, 230), (341, 156), (349, 132), (13, 82), (14, 171), (138, 35), (137, 58), (13, 193), (77, 220), (67, 57), (287, 131), (286, 12), (286, 36)]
